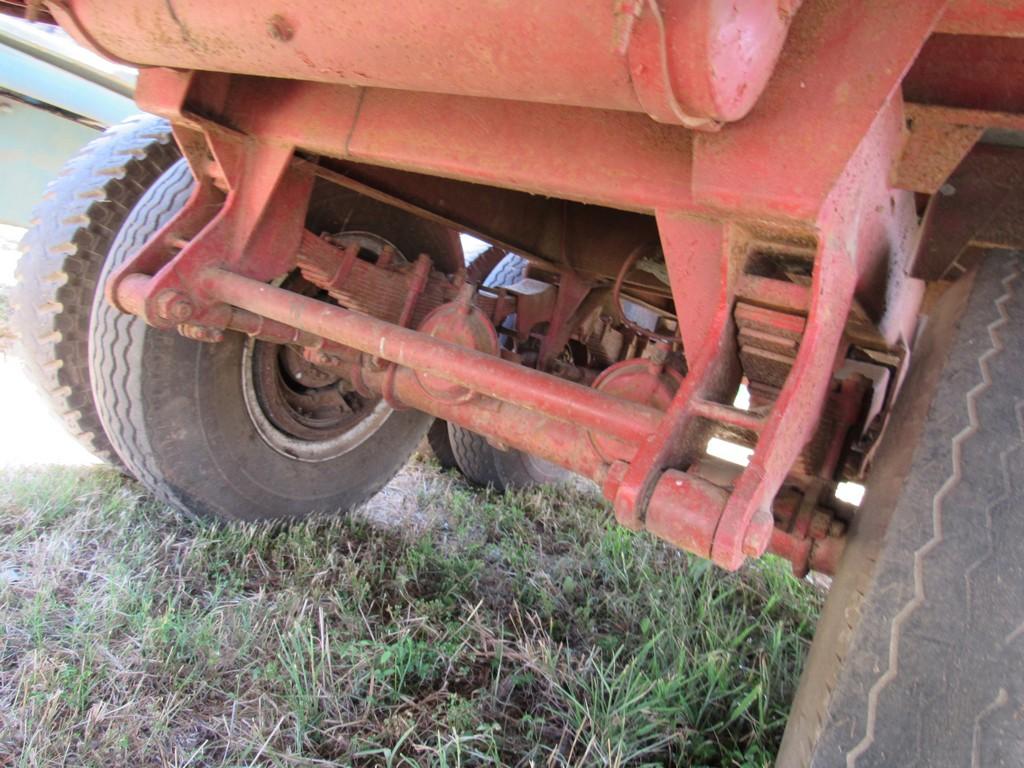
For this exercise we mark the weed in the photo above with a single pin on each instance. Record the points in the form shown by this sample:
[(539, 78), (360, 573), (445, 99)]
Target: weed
[(491, 630)]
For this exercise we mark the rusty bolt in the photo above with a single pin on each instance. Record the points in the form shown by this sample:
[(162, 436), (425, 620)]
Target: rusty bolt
[(280, 28), (201, 333), (320, 358), (174, 305)]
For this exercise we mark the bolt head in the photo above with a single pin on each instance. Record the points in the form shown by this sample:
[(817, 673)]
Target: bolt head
[(181, 310), (174, 306)]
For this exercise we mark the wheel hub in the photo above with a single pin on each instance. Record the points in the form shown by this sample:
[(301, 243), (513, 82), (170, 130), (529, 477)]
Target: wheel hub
[(299, 409)]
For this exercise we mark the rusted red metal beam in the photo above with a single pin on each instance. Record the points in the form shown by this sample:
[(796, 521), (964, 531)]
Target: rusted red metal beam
[(757, 168), (699, 255), (697, 63), (537, 148), (935, 146), (534, 432), (1004, 18), (776, 163), (486, 374)]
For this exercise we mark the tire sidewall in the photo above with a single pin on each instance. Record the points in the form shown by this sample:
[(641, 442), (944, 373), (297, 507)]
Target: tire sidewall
[(200, 430), (175, 411)]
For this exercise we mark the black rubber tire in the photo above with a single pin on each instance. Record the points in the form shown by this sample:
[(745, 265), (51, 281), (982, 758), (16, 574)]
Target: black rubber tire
[(439, 445), (479, 461), (484, 465), (471, 454), (175, 412), (72, 231), (918, 658), (474, 457), (509, 270)]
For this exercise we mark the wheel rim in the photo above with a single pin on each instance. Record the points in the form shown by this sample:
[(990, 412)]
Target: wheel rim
[(299, 409), (302, 411)]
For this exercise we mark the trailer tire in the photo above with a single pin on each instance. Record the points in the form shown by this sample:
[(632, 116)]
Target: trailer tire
[(474, 457), (479, 461), (439, 445), (181, 413), (918, 657), (63, 252)]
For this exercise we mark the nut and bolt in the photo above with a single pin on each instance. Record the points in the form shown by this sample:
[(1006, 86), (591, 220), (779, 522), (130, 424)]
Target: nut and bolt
[(315, 356), (319, 357), (202, 333), (175, 306)]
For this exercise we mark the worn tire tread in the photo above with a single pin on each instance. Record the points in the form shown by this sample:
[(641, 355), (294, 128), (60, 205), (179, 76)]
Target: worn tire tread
[(63, 252), (932, 669), (116, 375), (474, 457)]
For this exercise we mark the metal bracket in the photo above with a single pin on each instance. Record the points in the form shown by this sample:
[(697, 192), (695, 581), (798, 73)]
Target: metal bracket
[(246, 213)]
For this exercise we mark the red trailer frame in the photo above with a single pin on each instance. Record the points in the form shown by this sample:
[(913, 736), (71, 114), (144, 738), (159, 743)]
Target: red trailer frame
[(815, 133)]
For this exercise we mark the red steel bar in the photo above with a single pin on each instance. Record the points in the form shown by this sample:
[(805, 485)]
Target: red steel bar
[(689, 62), (562, 443), (727, 414), (483, 373), (559, 442)]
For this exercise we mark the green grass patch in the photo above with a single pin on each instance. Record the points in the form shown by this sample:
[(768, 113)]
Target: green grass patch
[(519, 630)]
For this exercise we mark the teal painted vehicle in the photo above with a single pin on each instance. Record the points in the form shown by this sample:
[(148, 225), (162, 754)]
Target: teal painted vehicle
[(54, 98)]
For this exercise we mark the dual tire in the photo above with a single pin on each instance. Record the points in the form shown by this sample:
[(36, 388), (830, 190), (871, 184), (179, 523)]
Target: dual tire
[(73, 230), (106, 376), (232, 430)]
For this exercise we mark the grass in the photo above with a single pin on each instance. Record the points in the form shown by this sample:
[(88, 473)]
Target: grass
[(464, 629)]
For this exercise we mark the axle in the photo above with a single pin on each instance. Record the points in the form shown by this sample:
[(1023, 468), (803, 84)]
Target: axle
[(487, 374), (516, 407)]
